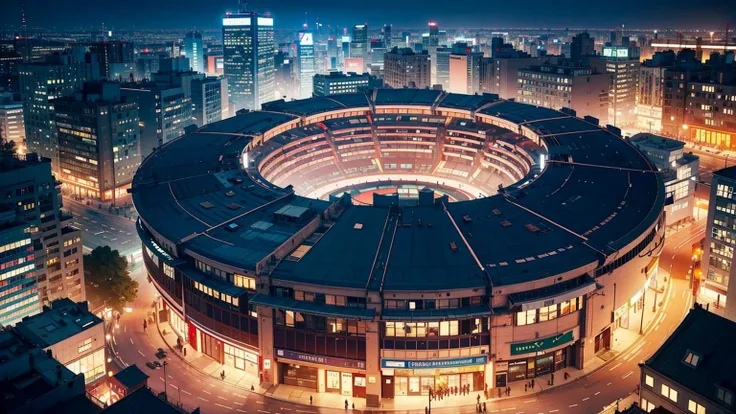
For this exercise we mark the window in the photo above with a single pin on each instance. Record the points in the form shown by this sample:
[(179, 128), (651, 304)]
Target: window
[(647, 405), (526, 317), (691, 359), (694, 407), (669, 393), (244, 282), (725, 395), (649, 381), (85, 346), (168, 271)]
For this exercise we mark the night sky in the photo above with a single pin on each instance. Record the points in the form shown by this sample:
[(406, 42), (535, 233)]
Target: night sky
[(148, 14)]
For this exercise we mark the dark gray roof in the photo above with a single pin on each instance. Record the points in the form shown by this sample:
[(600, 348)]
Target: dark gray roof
[(131, 376), (406, 96), (141, 400), (310, 106), (709, 336)]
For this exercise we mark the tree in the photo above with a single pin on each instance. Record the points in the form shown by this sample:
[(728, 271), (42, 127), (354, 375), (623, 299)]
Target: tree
[(107, 279)]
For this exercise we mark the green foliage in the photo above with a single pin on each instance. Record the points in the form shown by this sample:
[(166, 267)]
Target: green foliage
[(107, 279)]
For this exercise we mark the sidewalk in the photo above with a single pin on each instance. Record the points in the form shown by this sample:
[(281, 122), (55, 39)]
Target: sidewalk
[(623, 340)]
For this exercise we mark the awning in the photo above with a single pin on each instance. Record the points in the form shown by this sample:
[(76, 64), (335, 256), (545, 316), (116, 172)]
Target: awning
[(435, 314), (550, 295), (333, 311)]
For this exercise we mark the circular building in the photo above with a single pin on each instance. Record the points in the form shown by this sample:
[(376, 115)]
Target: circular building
[(501, 241)]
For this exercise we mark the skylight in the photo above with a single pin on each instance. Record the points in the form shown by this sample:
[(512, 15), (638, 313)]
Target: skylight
[(692, 359)]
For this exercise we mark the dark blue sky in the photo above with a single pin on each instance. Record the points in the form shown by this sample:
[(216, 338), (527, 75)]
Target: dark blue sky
[(710, 14)]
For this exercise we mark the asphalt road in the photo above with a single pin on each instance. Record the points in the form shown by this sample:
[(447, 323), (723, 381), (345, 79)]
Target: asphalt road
[(102, 228), (590, 394)]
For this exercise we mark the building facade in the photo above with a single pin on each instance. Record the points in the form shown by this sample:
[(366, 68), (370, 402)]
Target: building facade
[(207, 100), (99, 141), (465, 70), (305, 64), (337, 83), (194, 51), (358, 310), (12, 127), (248, 59), (404, 68), (623, 65), (650, 95)]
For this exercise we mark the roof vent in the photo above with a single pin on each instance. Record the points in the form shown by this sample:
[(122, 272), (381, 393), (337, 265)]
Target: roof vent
[(453, 247), (467, 219), (496, 212), (532, 228), (232, 227), (505, 223), (230, 193), (206, 204), (233, 206), (358, 226)]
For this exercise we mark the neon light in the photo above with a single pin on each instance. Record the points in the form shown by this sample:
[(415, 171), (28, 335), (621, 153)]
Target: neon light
[(236, 21)]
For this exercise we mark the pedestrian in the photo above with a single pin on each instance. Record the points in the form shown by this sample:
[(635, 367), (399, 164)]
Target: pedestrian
[(346, 404), (353, 406), (185, 350), (484, 406), (222, 375), (145, 326), (426, 410), (253, 388), (478, 399), (499, 392), (552, 379), (526, 387), (532, 383), (310, 400)]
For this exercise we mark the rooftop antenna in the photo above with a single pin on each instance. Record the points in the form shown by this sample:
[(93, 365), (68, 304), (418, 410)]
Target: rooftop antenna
[(24, 26)]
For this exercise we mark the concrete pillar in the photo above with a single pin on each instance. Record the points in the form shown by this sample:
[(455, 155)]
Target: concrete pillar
[(373, 364), (269, 373)]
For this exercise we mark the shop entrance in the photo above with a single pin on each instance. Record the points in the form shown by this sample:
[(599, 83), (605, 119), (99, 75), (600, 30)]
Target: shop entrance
[(387, 387), (420, 382), (603, 340), (299, 375)]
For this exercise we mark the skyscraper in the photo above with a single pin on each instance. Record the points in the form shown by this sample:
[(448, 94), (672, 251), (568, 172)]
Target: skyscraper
[(582, 45), (404, 68), (464, 69), (193, 50), (434, 34), (114, 58), (305, 63), (248, 50), (387, 36), (359, 43)]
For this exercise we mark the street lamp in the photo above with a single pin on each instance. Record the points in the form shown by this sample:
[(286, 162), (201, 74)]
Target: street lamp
[(166, 388)]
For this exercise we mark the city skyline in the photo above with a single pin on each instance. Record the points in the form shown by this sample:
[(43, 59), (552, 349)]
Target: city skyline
[(709, 14)]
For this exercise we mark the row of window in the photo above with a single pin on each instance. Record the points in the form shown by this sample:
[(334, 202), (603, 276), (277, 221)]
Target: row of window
[(429, 329), (548, 313), (425, 304), (215, 294), (321, 298), (319, 323)]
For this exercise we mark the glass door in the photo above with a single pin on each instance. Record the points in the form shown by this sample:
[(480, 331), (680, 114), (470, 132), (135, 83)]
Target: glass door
[(347, 384)]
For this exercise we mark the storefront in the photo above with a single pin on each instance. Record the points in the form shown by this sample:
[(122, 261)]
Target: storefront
[(321, 373), (241, 359), (417, 377), (539, 357)]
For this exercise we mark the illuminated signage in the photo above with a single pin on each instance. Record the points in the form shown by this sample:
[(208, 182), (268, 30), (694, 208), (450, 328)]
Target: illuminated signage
[(236, 21), (318, 359), (615, 52), (305, 39), (541, 344), (434, 363), (265, 21)]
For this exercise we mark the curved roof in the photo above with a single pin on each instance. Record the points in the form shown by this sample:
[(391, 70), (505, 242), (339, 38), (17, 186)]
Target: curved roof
[(596, 195)]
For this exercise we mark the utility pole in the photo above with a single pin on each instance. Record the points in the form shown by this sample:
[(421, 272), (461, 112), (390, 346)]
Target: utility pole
[(166, 387)]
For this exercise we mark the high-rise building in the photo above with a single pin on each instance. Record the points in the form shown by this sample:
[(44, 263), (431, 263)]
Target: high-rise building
[(386, 34), (650, 91), (164, 111), (718, 277), (434, 34), (99, 147), (12, 127), (147, 64), (566, 85), (248, 52), (305, 63), (359, 42), (623, 64), (464, 69), (582, 45), (404, 68), (114, 58), (41, 252), (675, 90), (442, 67), (215, 65), (286, 86), (40, 83), (194, 51), (207, 100), (336, 83), (500, 74)]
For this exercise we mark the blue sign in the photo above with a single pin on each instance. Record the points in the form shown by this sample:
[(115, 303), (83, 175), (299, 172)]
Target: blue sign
[(434, 363)]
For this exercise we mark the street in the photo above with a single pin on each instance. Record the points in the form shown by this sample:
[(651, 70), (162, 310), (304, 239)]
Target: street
[(102, 228)]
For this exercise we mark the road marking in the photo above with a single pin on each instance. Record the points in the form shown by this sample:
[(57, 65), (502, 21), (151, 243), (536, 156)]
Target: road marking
[(530, 401), (205, 391), (242, 411), (186, 392), (139, 351), (614, 367), (204, 399), (262, 411), (170, 377), (240, 395), (586, 398), (260, 402), (223, 406), (222, 398), (175, 387), (627, 375), (572, 405), (554, 411), (240, 403), (609, 384), (597, 393), (131, 341)]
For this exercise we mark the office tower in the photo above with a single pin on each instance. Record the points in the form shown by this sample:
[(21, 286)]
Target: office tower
[(434, 34), (115, 58), (175, 52), (99, 147), (214, 65), (359, 43), (679, 172), (12, 127), (676, 91), (286, 85), (177, 64), (496, 45), (344, 51), (404, 68), (164, 111), (650, 91), (566, 84), (206, 100), (464, 69), (333, 53), (248, 51), (41, 252), (386, 35), (147, 64), (717, 282), (500, 75), (442, 67), (40, 83), (582, 45), (623, 64), (305, 63), (336, 83), (9, 62), (194, 51)]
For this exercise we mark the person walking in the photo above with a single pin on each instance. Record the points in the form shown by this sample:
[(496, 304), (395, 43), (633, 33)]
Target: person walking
[(346, 403), (145, 326), (526, 387), (310, 400), (478, 399), (484, 406)]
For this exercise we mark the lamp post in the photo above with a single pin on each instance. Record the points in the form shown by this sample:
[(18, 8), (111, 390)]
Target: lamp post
[(166, 387)]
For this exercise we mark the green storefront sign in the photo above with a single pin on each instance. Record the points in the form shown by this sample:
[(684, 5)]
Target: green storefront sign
[(541, 344)]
